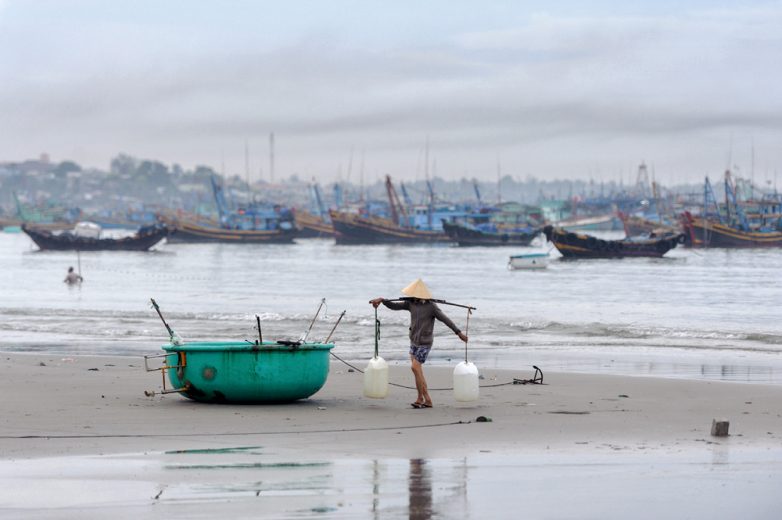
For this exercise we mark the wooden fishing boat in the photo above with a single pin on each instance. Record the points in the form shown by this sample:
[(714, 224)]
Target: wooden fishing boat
[(528, 261), (576, 245), (708, 232), (312, 226), (607, 222), (638, 226), (350, 228), (142, 240), (471, 236), (187, 231), (242, 372)]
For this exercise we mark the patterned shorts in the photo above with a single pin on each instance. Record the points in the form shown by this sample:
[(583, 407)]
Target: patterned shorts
[(420, 353)]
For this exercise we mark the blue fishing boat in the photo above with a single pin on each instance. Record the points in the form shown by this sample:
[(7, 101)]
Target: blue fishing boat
[(256, 223)]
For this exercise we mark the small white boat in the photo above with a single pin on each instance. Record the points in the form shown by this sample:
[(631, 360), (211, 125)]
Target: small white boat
[(528, 261)]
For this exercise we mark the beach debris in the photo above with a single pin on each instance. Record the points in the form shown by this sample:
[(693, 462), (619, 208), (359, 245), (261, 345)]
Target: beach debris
[(537, 378), (570, 412), (41, 364), (92, 369), (321, 407), (624, 395), (719, 428), (483, 418)]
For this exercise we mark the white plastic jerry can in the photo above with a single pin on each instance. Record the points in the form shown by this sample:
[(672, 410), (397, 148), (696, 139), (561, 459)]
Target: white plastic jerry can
[(465, 382), (376, 378)]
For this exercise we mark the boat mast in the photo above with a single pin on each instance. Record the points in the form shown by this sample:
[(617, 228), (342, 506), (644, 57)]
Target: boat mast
[(396, 206), (271, 157)]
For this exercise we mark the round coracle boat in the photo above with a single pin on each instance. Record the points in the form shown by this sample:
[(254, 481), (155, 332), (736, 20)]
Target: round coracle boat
[(243, 372)]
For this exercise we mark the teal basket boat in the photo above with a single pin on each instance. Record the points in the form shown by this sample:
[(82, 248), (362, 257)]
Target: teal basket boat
[(242, 372)]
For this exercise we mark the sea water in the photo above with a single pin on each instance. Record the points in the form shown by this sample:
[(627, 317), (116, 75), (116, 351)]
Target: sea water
[(711, 314)]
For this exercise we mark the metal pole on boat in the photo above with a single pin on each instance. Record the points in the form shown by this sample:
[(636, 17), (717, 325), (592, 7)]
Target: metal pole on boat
[(172, 335), (304, 337), (335, 327), (260, 335)]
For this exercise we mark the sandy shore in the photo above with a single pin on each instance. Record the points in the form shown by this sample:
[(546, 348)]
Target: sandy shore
[(96, 405)]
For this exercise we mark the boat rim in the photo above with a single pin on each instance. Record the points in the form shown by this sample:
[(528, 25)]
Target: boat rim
[(243, 346)]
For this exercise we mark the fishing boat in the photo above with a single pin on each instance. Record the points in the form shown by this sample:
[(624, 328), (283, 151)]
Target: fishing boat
[(192, 232), (315, 223), (252, 224), (312, 226), (705, 232), (732, 226), (86, 237), (576, 245), (528, 261), (416, 227), (242, 372), (606, 222), (635, 225), (350, 228), (473, 236)]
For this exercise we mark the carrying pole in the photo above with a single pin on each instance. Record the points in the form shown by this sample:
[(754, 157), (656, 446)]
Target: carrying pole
[(78, 260), (260, 334), (377, 333), (405, 299), (467, 333)]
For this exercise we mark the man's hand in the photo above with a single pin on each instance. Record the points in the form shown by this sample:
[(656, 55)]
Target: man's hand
[(376, 302), (463, 337)]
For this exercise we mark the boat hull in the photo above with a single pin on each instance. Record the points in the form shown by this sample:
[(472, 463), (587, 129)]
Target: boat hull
[(529, 261), (600, 223), (311, 226), (573, 245), (637, 226), (232, 372), (193, 233), (705, 233), (354, 229), (143, 240), (465, 236)]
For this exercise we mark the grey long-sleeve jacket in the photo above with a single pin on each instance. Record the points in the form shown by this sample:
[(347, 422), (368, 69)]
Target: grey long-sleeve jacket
[(422, 316)]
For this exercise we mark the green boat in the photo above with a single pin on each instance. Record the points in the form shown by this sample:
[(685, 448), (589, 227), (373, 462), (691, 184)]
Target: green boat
[(243, 372)]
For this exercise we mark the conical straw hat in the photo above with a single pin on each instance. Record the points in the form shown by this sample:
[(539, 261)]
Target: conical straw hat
[(418, 289)]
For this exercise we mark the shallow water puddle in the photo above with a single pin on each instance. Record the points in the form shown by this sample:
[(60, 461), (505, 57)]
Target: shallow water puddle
[(249, 482)]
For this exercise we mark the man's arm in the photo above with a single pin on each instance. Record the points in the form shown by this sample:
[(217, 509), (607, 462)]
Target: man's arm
[(440, 315), (394, 306)]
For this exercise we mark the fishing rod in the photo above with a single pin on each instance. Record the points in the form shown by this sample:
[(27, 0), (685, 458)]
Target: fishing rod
[(408, 298), (304, 336), (335, 327)]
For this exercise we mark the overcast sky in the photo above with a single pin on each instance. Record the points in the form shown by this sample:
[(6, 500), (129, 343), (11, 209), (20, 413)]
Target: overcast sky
[(551, 89)]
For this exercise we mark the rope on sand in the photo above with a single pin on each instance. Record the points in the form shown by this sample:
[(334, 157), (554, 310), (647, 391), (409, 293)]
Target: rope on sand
[(412, 387)]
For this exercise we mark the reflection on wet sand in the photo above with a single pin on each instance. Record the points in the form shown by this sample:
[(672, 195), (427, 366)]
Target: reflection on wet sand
[(419, 485)]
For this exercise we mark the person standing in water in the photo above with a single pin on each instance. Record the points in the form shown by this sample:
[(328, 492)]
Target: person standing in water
[(423, 312), (73, 277)]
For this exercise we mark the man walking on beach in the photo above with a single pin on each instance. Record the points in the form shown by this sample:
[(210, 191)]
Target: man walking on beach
[(423, 312)]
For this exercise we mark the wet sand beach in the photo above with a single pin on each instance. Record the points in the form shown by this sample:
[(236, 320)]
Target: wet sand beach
[(92, 411)]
